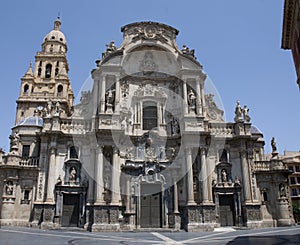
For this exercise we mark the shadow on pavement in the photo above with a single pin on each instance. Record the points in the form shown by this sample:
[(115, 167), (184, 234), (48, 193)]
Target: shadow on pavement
[(266, 240)]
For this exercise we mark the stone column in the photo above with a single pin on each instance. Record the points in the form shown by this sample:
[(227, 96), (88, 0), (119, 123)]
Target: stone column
[(175, 197), (116, 172), (159, 114), (51, 176), (102, 95), (117, 99), (189, 169), (204, 176), (203, 98), (99, 176), (91, 171), (198, 103), (246, 179), (185, 103)]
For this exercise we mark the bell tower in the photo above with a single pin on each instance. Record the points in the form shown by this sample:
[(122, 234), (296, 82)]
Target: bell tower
[(48, 80)]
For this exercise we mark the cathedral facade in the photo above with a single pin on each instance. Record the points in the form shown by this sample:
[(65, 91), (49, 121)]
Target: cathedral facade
[(146, 147)]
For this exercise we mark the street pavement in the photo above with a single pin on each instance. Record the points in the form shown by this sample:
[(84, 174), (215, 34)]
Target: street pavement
[(230, 236)]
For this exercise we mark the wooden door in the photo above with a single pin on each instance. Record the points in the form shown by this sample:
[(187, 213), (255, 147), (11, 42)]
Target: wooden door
[(70, 214), (226, 210)]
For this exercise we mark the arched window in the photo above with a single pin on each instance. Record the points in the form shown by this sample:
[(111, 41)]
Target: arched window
[(26, 89), (223, 155), (56, 72), (39, 72), (59, 90), (149, 115), (74, 152), (48, 71)]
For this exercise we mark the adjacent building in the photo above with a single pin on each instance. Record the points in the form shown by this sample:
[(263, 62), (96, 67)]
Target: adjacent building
[(291, 32), (146, 147)]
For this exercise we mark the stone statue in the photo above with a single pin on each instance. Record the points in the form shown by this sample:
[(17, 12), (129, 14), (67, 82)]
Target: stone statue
[(57, 108), (273, 145), (47, 112), (238, 113), (187, 51), (124, 124), (224, 175), (282, 190), (58, 181), (191, 98), (111, 47), (9, 188), (110, 97), (72, 177), (175, 129), (247, 118), (15, 139)]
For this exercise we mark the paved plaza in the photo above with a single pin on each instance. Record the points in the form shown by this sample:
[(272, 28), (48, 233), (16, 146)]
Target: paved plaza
[(269, 236)]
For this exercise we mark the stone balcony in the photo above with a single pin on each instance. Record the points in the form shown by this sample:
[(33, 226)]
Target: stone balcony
[(267, 166)]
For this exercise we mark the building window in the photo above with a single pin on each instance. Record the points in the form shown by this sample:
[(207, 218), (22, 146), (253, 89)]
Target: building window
[(294, 192), (223, 156), (265, 196), (297, 168), (56, 72), (59, 90), (48, 71), (291, 168), (39, 72), (25, 151), (26, 195), (149, 115), (298, 180), (74, 152), (292, 181), (26, 89)]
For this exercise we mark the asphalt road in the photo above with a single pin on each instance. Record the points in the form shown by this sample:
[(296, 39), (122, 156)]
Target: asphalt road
[(269, 236)]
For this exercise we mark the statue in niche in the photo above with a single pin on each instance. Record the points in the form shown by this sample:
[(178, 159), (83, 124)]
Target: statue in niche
[(110, 97), (9, 188), (247, 118), (282, 190), (238, 113), (48, 109), (224, 175), (175, 128), (57, 108), (106, 183), (191, 98), (72, 177), (273, 145)]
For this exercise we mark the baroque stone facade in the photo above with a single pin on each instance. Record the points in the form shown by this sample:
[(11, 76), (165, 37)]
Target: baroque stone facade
[(146, 147)]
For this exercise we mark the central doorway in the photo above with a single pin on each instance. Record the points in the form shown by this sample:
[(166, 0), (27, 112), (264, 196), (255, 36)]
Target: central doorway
[(70, 212), (226, 203), (151, 206)]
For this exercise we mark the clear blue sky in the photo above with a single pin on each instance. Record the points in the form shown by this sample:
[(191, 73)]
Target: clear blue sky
[(237, 42)]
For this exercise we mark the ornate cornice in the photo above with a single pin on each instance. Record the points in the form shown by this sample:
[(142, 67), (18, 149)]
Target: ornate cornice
[(289, 21)]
